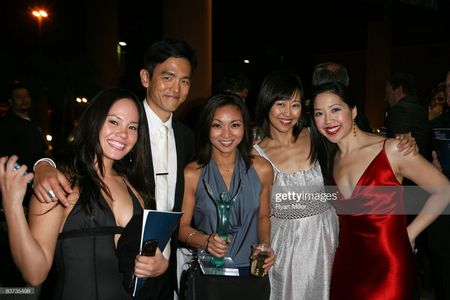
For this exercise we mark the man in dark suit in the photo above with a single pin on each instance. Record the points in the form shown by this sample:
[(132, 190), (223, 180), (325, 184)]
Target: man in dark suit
[(439, 247), (166, 75), (406, 113), (21, 134)]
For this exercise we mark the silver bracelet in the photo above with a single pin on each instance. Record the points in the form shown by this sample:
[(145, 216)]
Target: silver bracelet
[(45, 159)]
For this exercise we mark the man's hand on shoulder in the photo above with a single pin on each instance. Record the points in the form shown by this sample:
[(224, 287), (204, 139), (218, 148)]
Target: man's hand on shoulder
[(407, 143)]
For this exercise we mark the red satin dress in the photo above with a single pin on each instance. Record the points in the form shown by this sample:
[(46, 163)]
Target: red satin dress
[(374, 260)]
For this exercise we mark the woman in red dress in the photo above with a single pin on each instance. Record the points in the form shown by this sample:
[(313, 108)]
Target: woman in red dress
[(374, 259)]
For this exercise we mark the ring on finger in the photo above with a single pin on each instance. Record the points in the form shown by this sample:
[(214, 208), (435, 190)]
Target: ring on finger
[(51, 194)]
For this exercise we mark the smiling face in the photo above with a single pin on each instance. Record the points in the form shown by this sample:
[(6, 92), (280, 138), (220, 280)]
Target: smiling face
[(119, 133), (168, 86), (227, 129), (284, 114), (333, 117)]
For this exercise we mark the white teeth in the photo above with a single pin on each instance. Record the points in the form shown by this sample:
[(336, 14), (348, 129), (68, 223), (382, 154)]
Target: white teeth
[(332, 130), (226, 143), (285, 121), (116, 144)]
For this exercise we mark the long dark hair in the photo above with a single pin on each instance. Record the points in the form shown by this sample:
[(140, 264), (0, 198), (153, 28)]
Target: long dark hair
[(204, 127), (85, 154), (326, 150)]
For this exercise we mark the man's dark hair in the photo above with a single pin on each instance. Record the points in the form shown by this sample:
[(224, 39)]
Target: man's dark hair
[(404, 80), (16, 85), (330, 72), (163, 49), (233, 82)]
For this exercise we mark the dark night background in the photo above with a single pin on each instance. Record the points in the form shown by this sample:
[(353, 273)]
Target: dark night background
[(66, 60), (299, 34)]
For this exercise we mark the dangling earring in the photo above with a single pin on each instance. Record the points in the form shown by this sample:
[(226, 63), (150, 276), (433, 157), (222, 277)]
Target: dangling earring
[(354, 127)]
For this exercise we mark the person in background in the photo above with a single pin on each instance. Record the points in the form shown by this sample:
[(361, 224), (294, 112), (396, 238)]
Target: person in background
[(224, 164), (234, 83), (166, 76), (335, 72), (375, 242), (406, 113), (436, 101), (20, 134), (106, 166), (438, 247), (328, 72), (443, 120)]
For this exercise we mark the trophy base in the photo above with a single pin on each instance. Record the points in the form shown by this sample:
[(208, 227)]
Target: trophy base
[(227, 269)]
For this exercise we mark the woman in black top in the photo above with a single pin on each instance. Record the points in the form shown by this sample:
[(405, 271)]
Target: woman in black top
[(107, 168)]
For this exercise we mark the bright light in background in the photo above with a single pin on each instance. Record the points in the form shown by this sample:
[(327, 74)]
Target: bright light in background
[(40, 13), (246, 61), (81, 100), (49, 138), (123, 44)]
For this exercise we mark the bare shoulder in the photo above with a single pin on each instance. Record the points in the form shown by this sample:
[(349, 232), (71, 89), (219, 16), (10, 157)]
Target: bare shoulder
[(254, 152), (192, 171), (43, 216), (262, 167), (259, 143), (44, 209), (391, 149), (261, 162), (192, 167), (396, 158)]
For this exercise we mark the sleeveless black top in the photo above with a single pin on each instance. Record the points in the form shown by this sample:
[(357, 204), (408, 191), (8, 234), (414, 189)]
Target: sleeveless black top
[(85, 256)]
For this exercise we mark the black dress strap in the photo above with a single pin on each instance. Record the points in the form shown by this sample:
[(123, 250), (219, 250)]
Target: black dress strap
[(107, 230)]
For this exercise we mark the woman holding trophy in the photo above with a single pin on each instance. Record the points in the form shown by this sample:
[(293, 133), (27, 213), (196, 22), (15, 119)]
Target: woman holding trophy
[(226, 200)]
